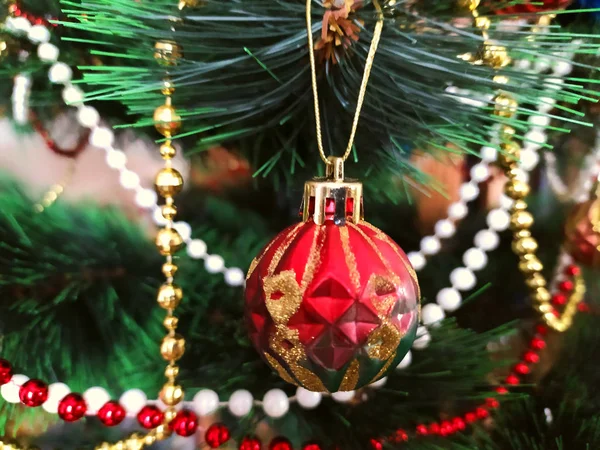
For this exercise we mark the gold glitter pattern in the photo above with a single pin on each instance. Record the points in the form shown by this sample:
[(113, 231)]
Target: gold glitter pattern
[(285, 343), (308, 379), (351, 376), (383, 341), (283, 248), (313, 257), (382, 293), (280, 370), (285, 286), (350, 258), (384, 369)]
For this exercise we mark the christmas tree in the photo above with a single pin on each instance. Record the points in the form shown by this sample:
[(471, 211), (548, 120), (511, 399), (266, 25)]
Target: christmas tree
[(433, 285)]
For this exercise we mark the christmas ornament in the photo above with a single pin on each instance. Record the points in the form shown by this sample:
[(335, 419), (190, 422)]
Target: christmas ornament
[(535, 6), (582, 233)]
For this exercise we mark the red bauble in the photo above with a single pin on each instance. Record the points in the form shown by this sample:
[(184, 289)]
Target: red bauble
[(150, 417), (216, 435), (111, 414), (72, 408), (581, 240), (376, 444), (33, 393), (280, 443), (185, 423), (311, 446), (535, 6), (332, 302), (6, 371), (250, 443)]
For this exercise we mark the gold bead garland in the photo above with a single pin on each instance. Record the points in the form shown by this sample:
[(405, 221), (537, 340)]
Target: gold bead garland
[(521, 220)]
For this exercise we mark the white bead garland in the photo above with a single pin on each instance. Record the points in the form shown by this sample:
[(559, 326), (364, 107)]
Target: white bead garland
[(343, 396), (88, 117), (417, 260), (475, 259), (240, 403), (10, 390), (423, 339), (206, 402), (308, 399), (95, 398), (444, 228), (379, 383), (430, 245), (214, 264), (449, 299), (276, 403), (116, 159), (60, 73), (406, 361), (56, 392), (432, 314), (38, 34), (133, 401), (20, 98), (457, 211), (498, 219), (487, 240)]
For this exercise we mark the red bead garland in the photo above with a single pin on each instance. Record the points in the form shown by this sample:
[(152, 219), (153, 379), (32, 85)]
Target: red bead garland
[(150, 417), (280, 443), (72, 408), (185, 423), (376, 444), (216, 435), (111, 414), (33, 393), (6, 371), (311, 446), (250, 443)]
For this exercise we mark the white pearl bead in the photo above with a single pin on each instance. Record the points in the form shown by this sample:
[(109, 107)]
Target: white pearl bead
[(234, 276), (546, 104), (95, 398), (449, 299), (214, 264), (129, 179), (554, 83), (19, 25), (73, 96), (48, 52), (405, 361), (475, 259), (432, 314), (541, 64), (116, 159), (417, 260), (444, 228), (498, 219), (463, 279), (562, 68), (529, 159), (206, 402), (487, 240), (535, 137), (60, 73), (184, 229), (240, 403), (379, 383), (145, 198), (488, 154), (430, 245), (10, 390), (468, 192), (423, 339), (276, 403), (538, 121), (56, 392), (88, 116), (522, 65), (480, 172), (457, 211), (196, 248), (505, 201), (133, 401), (343, 396), (102, 137), (308, 399), (158, 217), (38, 34)]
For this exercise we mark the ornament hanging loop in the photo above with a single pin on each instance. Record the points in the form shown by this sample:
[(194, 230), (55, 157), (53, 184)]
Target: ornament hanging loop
[(335, 168)]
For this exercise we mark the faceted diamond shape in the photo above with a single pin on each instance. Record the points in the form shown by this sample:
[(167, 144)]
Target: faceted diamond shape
[(309, 325), (357, 323), (331, 350), (330, 300)]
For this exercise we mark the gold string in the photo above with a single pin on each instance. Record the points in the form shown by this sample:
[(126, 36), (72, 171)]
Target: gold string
[(363, 86)]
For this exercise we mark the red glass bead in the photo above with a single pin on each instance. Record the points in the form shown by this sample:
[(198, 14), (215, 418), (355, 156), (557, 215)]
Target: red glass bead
[(72, 408), (512, 379), (446, 428), (541, 329), (6, 371), (216, 435), (185, 423), (559, 299), (531, 357), (111, 414), (399, 436), (150, 417), (422, 430), (434, 428), (583, 307), (566, 286), (572, 270), (33, 393), (470, 417), (492, 403), (501, 390), (376, 444), (459, 424), (522, 368), (482, 413), (311, 446), (280, 443), (250, 443), (537, 343)]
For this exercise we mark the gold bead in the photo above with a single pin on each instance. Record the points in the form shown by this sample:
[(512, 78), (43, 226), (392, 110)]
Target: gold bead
[(168, 88), (103, 446), (172, 348), (522, 234), (471, 5), (545, 308), (149, 439), (167, 53), (171, 394), (169, 211), (171, 372), (167, 151), (519, 205), (508, 131), (524, 246), (162, 432), (531, 265), (169, 270), (166, 120), (495, 56), (521, 220), (189, 4), (483, 22), (505, 105), (168, 182), (170, 323), (517, 189), (169, 296), (170, 414), (501, 79), (168, 241), (535, 281)]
